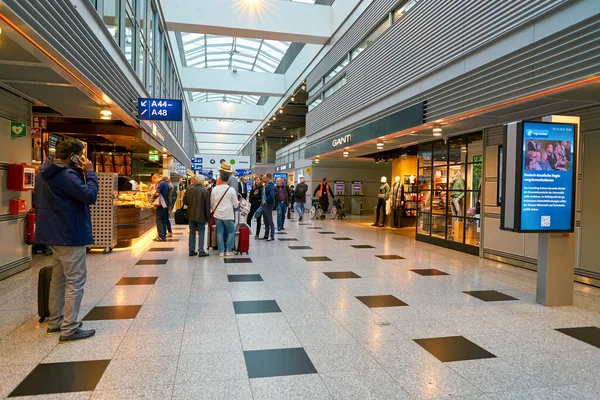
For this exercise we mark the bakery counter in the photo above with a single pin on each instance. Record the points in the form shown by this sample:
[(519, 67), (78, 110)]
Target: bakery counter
[(132, 223)]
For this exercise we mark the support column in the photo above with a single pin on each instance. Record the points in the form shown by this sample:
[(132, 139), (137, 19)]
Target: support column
[(556, 251)]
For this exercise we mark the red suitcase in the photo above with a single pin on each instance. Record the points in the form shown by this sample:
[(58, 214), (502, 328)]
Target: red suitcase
[(243, 239)]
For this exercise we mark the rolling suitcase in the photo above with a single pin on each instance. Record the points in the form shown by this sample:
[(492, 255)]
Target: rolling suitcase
[(44, 278), (241, 242)]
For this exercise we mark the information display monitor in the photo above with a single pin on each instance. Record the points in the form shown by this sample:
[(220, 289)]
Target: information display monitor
[(540, 177)]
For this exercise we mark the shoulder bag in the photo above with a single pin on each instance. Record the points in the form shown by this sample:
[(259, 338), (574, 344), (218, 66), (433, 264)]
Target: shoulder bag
[(212, 213)]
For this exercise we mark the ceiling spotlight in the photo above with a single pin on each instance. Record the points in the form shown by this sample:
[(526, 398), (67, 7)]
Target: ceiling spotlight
[(303, 87), (268, 124), (379, 145), (292, 98), (105, 113), (317, 160), (281, 110), (437, 131), (274, 118), (291, 136), (346, 153), (259, 134), (284, 128)]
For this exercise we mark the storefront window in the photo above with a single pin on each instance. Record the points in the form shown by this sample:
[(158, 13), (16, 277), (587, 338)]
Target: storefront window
[(450, 174), (112, 14)]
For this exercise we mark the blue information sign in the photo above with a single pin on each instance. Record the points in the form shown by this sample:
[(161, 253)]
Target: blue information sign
[(547, 177), (196, 166), (160, 109), (197, 160)]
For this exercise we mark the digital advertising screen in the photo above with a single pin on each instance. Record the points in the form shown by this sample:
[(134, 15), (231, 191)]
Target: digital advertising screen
[(548, 177)]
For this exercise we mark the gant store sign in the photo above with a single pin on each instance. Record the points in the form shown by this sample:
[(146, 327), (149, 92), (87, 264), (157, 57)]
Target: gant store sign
[(342, 141), (400, 120)]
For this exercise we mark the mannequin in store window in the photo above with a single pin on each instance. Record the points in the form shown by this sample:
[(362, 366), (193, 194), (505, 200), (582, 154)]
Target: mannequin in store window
[(457, 193), (383, 196), (397, 201)]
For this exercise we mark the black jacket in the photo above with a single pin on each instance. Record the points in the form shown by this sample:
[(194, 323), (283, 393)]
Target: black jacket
[(300, 192), (197, 200), (256, 194)]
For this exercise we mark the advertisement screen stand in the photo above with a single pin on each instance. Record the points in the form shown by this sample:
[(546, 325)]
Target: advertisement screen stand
[(556, 253)]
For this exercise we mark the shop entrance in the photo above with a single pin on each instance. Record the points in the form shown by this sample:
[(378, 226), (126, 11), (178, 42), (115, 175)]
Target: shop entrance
[(449, 192)]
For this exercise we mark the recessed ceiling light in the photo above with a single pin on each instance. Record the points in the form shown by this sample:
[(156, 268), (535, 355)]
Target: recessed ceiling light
[(105, 113), (437, 131), (379, 145), (281, 110), (346, 153), (317, 161)]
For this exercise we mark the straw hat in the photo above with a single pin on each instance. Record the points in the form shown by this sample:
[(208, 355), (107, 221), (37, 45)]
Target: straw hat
[(226, 167)]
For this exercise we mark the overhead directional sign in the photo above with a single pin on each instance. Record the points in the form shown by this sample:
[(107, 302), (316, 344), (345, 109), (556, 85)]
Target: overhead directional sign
[(160, 109)]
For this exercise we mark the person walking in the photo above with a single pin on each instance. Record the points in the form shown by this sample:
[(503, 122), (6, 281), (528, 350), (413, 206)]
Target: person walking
[(225, 200), (300, 197), (268, 203), (162, 210), (282, 196), (197, 200), (242, 188), (64, 189), (324, 192)]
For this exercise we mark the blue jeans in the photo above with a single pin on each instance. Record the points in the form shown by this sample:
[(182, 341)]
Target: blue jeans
[(281, 210), (267, 216), (161, 221), (200, 228), (224, 225), (300, 209)]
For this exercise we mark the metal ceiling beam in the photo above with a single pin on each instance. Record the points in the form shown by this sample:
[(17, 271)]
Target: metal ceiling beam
[(218, 110), (225, 81), (268, 19)]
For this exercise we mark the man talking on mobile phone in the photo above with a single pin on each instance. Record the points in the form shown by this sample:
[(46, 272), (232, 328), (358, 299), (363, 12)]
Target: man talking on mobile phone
[(64, 189)]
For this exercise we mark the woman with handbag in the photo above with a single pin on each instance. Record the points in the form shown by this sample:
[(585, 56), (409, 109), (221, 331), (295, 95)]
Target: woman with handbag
[(225, 200), (255, 200)]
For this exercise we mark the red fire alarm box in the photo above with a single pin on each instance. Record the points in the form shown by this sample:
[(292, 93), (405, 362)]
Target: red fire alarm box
[(17, 206), (21, 177)]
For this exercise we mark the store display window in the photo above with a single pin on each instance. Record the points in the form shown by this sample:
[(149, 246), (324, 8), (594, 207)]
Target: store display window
[(449, 189)]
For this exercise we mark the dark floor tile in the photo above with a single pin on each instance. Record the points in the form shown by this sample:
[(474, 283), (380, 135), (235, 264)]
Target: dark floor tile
[(362, 246), (112, 312), (180, 228), (151, 262), (288, 240), (317, 258), (300, 247), (67, 377), (304, 224), (490, 295), (314, 227), (390, 257), (256, 307), (343, 238), (453, 348), (429, 272), (172, 240), (244, 260), (142, 280), (327, 233), (341, 275), (162, 249), (587, 334), (279, 362), (281, 233), (177, 234), (245, 278), (381, 301)]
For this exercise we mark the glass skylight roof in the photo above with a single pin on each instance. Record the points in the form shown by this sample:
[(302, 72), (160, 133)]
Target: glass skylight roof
[(220, 97), (226, 52)]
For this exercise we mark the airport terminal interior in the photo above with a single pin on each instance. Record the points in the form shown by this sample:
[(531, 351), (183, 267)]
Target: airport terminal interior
[(399, 199)]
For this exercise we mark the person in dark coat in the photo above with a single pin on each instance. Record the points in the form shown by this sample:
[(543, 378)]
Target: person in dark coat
[(64, 189), (300, 197), (197, 200), (282, 200), (162, 213)]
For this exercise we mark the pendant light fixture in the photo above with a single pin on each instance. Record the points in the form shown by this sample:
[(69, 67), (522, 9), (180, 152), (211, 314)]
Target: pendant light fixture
[(437, 131), (380, 145), (317, 160), (346, 153)]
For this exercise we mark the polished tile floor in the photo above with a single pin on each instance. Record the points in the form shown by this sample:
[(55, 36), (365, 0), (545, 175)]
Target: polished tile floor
[(343, 312)]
